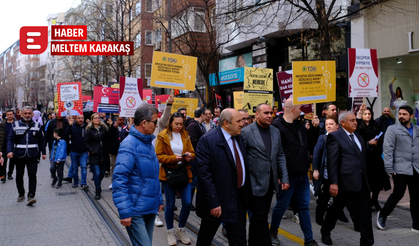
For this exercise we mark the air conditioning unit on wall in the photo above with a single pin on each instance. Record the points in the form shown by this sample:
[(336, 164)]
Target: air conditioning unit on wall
[(157, 45)]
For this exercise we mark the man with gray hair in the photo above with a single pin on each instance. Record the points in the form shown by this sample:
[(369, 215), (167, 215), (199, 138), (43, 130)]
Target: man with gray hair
[(223, 181), (136, 187), (24, 144), (347, 174)]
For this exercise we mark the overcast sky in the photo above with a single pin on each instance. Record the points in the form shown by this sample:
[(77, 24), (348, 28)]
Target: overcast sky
[(17, 13)]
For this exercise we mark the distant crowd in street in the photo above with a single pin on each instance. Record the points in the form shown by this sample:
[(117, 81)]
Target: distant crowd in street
[(233, 164)]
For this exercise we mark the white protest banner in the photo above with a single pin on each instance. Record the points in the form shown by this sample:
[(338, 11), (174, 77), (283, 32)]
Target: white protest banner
[(130, 90), (363, 72)]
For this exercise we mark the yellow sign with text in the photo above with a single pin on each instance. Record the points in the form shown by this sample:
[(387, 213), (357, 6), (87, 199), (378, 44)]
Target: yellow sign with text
[(238, 99), (173, 71), (189, 103), (252, 100), (313, 82), (258, 79)]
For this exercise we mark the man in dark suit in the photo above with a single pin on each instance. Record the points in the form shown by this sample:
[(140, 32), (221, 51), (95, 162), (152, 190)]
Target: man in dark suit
[(347, 175), (223, 181), (267, 170)]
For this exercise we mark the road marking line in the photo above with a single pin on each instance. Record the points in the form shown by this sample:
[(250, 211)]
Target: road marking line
[(291, 237)]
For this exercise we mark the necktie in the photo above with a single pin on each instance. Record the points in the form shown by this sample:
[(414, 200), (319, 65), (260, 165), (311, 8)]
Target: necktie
[(238, 165), (353, 140)]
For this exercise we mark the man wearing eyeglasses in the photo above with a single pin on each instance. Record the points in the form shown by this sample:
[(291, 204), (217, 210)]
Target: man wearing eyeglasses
[(245, 117)]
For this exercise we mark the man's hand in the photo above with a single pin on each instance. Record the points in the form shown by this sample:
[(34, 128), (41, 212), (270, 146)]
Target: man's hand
[(316, 174), (373, 142), (44, 157), (333, 190), (171, 99), (160, 208), (127, 221), (315, 121), (216, 212), (285, 186), (10, 155)]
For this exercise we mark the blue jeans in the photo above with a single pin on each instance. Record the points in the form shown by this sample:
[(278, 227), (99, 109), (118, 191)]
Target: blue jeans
[(78, 159), (141, 230), (299, 187), (170, 196), (98, 174)]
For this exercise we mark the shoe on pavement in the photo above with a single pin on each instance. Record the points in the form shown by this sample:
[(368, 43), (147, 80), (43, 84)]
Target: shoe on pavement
[(54, 181), (58, 186), (181, 234), (296, 218), (31, 200), (84, 187), (311, 243), (9, 177), (74, 186), (110, 186), (68, 179), (274, 239), (327, 240), (415, 229), (193, 208), (224, 231), (21, 198), (158, 222), (171, 237), (3, 179), (97, 196), (381, 221)]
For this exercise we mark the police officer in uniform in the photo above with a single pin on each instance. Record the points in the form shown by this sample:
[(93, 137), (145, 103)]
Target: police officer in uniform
[(24, 144)]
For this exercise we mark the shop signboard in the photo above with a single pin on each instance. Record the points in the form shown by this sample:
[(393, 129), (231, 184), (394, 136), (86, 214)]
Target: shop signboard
[(130, 93), (228, 77), (238, 99), (257, 88), (313, 82), (69, 99), (363, 72), (105, 100), (285, 89), (189, 103), (173, 71)]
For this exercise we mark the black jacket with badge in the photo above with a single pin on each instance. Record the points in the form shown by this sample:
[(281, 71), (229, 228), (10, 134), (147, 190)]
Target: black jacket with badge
[(26, 140), (96, 143)]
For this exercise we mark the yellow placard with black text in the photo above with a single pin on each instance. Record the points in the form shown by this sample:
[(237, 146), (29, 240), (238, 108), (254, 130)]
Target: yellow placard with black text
[(173, 71), (313, 82), (238, 99), (257, 88), (189, 103)]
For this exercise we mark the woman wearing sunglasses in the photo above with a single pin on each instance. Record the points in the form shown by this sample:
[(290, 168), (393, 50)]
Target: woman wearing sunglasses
[(174, 151)]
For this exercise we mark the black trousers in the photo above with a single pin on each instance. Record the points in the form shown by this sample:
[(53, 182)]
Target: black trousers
[(362, 210), (236, 231), (259, 226), (32, 166), (3, 168), (57, 169), (400, 183)]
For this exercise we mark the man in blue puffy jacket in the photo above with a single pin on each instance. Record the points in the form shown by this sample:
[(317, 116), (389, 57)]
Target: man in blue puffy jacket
[(136, 186)]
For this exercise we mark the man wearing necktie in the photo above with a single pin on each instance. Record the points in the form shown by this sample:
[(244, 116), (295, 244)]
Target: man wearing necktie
[(223, 181), (346, 168)]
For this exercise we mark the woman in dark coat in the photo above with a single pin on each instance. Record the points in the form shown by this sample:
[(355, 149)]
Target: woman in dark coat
[(377, 177), (96, 143)]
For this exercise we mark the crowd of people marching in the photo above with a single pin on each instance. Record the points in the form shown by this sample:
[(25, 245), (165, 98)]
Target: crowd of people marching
[(234, 164)]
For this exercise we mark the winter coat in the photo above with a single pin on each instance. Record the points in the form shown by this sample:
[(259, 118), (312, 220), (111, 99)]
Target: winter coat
[(77, 134), (28, 145), (96, 143), (195, 130), (136, 186), (166, 156), (61, 152)]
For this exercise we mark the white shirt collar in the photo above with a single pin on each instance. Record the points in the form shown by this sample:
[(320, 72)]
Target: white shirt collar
[(227, 135)]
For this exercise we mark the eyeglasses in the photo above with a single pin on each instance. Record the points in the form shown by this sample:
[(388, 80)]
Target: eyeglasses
[(244, 119), (155, 122)]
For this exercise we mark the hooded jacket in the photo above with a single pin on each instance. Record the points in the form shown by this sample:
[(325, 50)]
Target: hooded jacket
[(96, 142), (77, 133), (136, 186)]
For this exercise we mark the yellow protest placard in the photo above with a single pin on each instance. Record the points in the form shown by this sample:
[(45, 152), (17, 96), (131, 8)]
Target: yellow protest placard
[(257, 88), (55, 102), (189, 103), (238, 99), (313, 82), (173, 71)]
